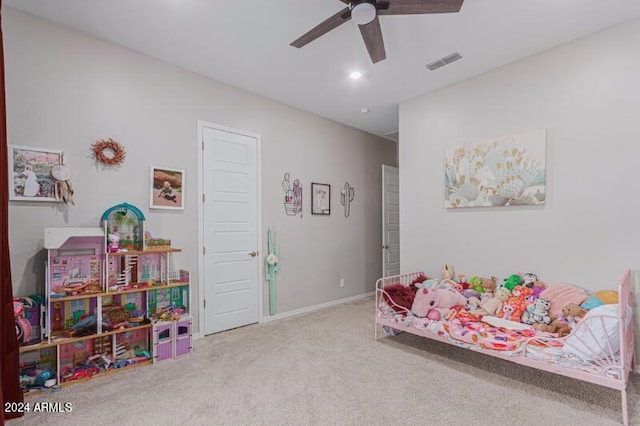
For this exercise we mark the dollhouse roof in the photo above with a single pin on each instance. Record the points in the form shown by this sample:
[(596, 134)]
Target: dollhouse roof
[(55, 237), (127, 208)]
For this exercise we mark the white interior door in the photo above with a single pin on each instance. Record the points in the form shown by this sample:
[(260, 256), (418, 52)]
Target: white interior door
[(230, 229), (390, 221)]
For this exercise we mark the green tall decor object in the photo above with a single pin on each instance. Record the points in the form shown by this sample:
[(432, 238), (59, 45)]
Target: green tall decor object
[(271, 267)]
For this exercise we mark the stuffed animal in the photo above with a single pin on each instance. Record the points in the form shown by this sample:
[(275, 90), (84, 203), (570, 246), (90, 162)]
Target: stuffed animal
[(435, 302), (521, 292), (447, 272), (476, 284), (538, 287), (539, 314), (461, 286), (562, 326), (529, 279), (558, 328), (469, 293), (447, 283), (530, 302), (489, 284), (512, 281), (429, 284), (516, 304), (419, 279), (511, 310), (493, 305), (573, 313), (399, 296)]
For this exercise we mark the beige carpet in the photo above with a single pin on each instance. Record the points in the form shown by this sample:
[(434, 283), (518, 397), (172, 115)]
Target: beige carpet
[(324, 368)]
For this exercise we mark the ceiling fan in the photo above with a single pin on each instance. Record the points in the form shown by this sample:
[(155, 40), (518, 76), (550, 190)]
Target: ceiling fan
[(365, 13)]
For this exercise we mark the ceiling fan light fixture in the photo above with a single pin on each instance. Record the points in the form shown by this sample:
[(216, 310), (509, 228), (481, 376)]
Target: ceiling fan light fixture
[(363, 12)]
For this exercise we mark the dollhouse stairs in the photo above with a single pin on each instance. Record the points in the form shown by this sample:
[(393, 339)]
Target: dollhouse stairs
[(125, 275)]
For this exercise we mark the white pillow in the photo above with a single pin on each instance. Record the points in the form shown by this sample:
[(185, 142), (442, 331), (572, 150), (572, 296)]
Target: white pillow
[(589, 341)]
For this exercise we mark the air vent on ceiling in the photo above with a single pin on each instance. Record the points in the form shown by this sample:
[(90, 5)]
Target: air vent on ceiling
[(445, 60)]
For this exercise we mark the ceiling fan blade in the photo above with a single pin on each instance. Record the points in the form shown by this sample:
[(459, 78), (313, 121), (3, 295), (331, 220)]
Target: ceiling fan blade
[(324, 27), (415, 7), (372, 36)]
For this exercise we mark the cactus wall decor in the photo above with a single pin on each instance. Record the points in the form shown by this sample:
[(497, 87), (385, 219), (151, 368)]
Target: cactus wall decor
[(292, 196), (346, 197)]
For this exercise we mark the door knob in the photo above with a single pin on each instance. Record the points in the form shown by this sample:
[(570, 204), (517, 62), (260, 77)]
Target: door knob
[(253, 254)]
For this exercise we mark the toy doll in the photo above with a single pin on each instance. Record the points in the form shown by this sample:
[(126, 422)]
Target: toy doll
[(114, 243)]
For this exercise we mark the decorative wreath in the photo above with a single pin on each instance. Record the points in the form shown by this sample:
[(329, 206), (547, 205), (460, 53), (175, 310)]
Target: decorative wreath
[(108, 152)]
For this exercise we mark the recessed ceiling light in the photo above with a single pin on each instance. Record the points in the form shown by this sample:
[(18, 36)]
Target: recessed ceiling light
[(364, 110), (355, 75)]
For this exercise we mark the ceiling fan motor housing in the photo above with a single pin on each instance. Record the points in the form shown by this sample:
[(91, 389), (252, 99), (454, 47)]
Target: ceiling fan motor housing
[(363, 11)]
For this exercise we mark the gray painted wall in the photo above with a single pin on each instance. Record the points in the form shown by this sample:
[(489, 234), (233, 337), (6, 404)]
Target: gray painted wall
[(65, 90), (586, 94)]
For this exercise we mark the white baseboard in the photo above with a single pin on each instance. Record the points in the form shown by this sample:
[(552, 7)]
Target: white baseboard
[(315, 307), (196, 336)]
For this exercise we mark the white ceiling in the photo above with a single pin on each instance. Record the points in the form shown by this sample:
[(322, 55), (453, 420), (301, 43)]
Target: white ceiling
[(246, 44)]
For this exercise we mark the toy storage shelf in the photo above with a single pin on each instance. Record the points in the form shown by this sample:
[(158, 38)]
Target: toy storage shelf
[(109, 372), (142, 287), (37, 346), (147, 251), (126, 268), (79, 264), (67, 340)]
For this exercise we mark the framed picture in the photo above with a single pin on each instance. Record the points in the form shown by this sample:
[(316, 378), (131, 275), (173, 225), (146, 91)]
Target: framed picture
[(320, 198), (497, 172), (30, 176), (167, 188)]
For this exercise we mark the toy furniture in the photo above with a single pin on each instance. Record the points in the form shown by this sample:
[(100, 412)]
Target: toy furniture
[(172, 339), (599, 349), (163, 340), (183, 337), (95, 323)]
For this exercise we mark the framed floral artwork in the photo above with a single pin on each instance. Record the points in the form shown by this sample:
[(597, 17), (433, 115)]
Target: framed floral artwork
[(503, 171)]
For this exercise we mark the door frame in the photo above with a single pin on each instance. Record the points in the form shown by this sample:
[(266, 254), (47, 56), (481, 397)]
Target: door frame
[(384, 255), (200, 147)]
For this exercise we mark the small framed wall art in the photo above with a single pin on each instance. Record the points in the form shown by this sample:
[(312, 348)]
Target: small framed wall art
[(320, 198), (167, 188), (30, 177)]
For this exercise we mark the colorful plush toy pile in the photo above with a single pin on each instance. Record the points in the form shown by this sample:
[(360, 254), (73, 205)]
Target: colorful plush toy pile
[(521, 299)]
